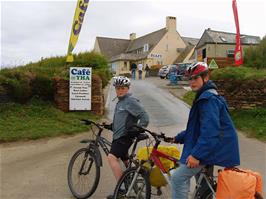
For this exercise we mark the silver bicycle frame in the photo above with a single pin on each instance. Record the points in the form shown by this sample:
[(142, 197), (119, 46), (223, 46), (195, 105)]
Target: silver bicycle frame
[(198, 183)]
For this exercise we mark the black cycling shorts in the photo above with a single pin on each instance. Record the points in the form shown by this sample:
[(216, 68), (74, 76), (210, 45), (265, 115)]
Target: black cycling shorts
[(120, 147)]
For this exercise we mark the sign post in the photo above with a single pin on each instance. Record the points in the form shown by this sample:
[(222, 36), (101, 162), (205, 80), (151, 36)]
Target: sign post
[(80, 88)]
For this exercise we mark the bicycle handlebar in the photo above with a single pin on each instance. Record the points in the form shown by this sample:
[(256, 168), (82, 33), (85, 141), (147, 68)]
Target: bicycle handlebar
[(156, 136), (89, 122)]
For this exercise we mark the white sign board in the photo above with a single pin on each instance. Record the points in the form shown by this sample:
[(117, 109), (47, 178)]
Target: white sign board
[(80, 88)]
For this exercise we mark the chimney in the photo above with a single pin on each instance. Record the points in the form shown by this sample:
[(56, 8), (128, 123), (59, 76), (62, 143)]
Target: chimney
[(132, 36), (171, 24)]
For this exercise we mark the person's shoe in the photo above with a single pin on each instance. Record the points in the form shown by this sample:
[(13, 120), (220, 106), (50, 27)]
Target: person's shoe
[(110, 197)]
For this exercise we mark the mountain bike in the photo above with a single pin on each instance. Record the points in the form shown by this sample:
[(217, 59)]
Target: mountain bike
[(135, 181), (84, 167)]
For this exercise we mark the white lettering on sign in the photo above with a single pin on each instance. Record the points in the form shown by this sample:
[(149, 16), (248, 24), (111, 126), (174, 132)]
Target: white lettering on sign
[(155, 55), (79, 88)]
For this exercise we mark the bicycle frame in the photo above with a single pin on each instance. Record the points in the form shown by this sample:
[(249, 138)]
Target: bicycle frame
[(202, 177), (154, 159), (104, 144)]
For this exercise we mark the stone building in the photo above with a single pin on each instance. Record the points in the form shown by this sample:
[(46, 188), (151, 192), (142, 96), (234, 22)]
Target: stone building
[(160, 47)]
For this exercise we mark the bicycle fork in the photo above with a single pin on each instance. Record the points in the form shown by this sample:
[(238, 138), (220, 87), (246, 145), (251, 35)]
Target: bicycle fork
[(133, 181), (81, 172)]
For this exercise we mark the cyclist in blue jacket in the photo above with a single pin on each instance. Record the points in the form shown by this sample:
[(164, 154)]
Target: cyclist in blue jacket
[(210, 137)]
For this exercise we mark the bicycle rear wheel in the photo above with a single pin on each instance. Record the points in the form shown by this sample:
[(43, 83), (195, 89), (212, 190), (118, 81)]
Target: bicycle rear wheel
[(139, 189), (83, 174), (208, 194)]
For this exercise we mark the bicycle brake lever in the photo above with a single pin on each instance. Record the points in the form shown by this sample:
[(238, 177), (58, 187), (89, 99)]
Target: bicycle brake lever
[(84, 121)]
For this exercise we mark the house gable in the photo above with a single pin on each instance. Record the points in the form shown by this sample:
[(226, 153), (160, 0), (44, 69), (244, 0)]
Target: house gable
[(168, 47)]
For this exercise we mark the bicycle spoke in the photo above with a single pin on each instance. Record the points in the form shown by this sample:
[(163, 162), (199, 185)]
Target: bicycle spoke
[(83, 174)]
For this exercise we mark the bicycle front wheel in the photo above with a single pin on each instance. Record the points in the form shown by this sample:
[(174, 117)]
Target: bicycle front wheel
[(83, 174), (133, 184)]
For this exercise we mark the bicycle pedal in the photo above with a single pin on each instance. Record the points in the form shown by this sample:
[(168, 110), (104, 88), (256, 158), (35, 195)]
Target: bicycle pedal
[(159, 192)]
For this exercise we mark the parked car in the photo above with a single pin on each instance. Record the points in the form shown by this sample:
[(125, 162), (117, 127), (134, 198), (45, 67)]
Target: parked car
[(181, 70), (164, 71)]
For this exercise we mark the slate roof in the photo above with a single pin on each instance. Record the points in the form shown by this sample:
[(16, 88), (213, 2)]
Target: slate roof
[(121, 49), (190, 41), (184, 54), (125, 49), (112, 46), (152, 39), (129, 56), (219, 37)]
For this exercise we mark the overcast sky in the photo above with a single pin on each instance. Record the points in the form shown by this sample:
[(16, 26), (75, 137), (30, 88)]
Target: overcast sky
[(34, 29)]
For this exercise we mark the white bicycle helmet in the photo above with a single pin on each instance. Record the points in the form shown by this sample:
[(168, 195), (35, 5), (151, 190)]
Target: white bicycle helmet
[(121, 81)]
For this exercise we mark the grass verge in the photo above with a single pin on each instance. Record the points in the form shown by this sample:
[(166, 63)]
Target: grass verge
[(38, 119), (251, 122)]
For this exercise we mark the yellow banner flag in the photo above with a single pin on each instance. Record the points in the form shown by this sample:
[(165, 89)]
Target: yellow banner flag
[(76, 27)]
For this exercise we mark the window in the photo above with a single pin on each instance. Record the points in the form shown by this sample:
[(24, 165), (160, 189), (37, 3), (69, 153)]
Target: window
[(146, 47), (139, 51), (222, 38), (230, 53)]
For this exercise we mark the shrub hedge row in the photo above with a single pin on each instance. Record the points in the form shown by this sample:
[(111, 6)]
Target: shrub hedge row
[(36, 79)]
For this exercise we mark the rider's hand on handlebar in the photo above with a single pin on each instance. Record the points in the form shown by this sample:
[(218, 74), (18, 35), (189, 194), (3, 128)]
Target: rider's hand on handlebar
[(169, 139), (107, 126)]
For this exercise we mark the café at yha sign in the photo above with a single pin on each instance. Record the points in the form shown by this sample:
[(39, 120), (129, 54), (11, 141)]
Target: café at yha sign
[(80, 88)]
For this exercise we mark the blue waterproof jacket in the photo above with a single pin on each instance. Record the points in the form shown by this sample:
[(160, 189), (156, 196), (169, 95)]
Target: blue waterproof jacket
[(210, 135)]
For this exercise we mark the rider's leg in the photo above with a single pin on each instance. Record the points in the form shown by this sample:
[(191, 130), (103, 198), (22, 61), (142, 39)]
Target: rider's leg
[(119, 150), (180, 181), (125, 163), (115, 166)]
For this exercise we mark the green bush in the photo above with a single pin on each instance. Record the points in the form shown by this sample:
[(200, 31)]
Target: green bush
[(42, 86), (18, 85), (238, 73), (255, 56), (127, 75), (189, 97), (36, 78), (91, 59), (105, 75)]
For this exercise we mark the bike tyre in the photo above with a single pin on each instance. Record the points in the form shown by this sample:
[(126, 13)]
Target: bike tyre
[(130, 171), (94, 163), (208, 194)]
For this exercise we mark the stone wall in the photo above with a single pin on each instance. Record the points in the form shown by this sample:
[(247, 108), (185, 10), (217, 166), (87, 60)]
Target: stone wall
[(243, 94), (61, 95)]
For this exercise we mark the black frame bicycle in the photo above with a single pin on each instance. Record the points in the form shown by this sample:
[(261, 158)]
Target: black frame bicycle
[(84, 167)]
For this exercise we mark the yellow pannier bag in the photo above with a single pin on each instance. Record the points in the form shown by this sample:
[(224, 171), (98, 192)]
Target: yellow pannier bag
[(156, 177)]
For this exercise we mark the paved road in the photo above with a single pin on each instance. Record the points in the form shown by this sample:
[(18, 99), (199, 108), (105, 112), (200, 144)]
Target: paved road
[(37, 169)]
